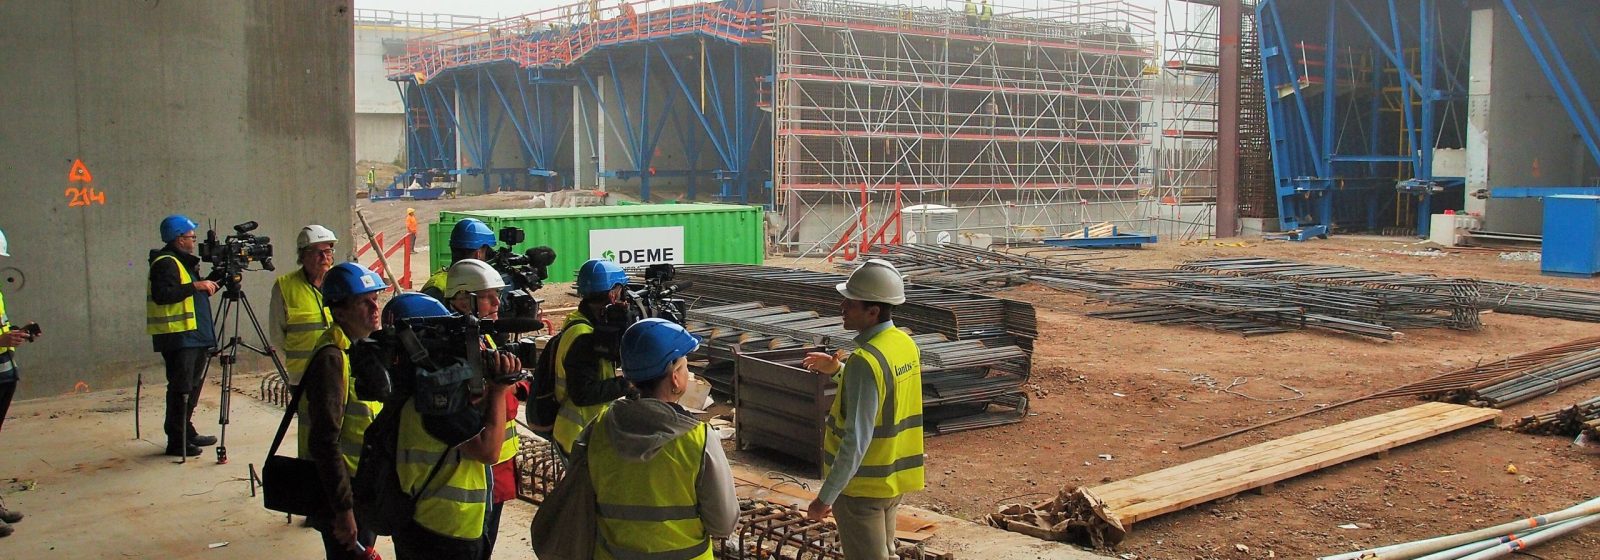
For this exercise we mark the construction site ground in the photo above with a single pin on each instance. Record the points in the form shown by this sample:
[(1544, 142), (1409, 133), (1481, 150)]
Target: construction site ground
[(1135, 392), (1099, 389)]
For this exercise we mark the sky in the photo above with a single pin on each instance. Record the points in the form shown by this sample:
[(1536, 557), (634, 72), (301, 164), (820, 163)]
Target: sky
[(508, 8)]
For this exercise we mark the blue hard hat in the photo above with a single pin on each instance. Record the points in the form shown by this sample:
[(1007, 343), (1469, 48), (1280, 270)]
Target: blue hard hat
[(176, 225), (413, 305), (599, 275), (649, 346), (347, 280), (471, 234)]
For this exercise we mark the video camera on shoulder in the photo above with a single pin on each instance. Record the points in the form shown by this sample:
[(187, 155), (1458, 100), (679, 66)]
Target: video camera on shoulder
[(439, 360), (234, 253), (525, 273), (657, 297)]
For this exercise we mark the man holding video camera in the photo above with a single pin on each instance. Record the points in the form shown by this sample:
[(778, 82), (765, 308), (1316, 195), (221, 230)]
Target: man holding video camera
[(585, 361), (469, 239), (9, 339), (178, 320)]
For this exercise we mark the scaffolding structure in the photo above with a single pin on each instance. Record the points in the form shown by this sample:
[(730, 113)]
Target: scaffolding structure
[(1029, 119), (1186, 155), (1024, 122)]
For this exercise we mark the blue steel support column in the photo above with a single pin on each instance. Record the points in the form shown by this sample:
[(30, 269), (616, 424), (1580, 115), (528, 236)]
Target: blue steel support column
[(699, 114), (1582, 100), (438, 156), (1401, 68), (528, 149), (1374, 144), (646, 153), (1424, 168)]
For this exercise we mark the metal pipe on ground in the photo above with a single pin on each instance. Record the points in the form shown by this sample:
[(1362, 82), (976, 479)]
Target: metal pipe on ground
[(1412, 550)]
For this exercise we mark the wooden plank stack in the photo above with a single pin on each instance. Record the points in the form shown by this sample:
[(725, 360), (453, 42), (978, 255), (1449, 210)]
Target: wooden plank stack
[(1102, 229), (1101, 515)]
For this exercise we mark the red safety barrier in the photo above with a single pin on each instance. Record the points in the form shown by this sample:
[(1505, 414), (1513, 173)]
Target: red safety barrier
[(404, 279)]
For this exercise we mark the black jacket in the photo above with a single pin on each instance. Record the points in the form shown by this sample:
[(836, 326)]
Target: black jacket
[(167, 288)]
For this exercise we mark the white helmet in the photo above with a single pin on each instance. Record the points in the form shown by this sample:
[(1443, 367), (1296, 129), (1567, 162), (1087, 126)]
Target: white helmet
[(471, 275), (4, 249), (314, 234), (878, 281)]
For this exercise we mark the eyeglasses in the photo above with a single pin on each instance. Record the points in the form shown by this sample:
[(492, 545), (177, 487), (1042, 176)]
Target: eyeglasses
[(190, 236)]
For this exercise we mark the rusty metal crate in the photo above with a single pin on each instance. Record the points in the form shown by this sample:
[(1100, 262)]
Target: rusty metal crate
[(780, 405)]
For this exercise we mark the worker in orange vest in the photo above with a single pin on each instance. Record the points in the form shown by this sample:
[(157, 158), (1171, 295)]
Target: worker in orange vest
[(411, 230)]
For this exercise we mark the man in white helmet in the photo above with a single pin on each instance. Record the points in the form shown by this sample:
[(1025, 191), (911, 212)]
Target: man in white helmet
[(874, 439), (299, 317)]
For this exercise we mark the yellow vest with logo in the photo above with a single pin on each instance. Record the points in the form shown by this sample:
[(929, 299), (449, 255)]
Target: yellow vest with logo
[(893, 464), (649, 510), (306, 319), (171, 318), (5, 351), (358, 414), (456, 501), (572, 418)]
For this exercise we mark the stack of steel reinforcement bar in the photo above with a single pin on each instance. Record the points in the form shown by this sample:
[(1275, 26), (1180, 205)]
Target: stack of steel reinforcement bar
[(1513, 379), (976, 350), (1569, 421), (1503, 297)]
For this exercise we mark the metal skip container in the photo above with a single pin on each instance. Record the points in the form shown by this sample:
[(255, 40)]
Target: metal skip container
[(631, 235)]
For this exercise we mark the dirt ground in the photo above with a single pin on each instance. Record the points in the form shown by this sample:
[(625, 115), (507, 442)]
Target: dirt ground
[(1443, 485), (1438, 486)]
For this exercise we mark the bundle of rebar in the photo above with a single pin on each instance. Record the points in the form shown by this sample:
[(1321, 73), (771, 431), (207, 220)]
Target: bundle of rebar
[(956, 314), (1456, 385), (1490, 542), (1432, 301), (1502, 297), (1568, 421), (1538, 381)]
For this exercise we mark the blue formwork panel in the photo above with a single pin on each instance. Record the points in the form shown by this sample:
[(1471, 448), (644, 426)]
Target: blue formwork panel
[(1571, 236), (1130, 240)]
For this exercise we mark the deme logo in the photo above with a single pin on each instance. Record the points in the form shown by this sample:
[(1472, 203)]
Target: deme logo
[(609, 255)]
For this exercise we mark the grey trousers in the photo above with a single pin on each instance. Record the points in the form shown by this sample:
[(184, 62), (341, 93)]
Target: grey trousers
[(866, 526)]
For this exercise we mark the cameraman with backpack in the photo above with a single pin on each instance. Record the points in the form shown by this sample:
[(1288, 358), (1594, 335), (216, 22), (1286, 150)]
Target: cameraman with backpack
[(584, 354), (474, 289), (333, 420)]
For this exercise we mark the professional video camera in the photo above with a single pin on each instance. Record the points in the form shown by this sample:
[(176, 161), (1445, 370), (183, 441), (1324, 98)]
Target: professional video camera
[(655, 298), (525, 273), (233, 254), (446, 352)]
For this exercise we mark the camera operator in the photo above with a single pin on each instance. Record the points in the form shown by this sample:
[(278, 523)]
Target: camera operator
[(178, 319), (469, 239), (443, 460), (475, 289), (298, 316), (9, 340), (333, 421), (585, 361)]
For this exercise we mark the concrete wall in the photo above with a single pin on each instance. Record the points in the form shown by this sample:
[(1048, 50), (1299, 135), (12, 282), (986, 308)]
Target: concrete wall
[(225, 111), (380, 137), (1519, 135)]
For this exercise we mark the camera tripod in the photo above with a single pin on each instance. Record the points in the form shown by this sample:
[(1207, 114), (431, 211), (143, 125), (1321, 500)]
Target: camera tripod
[(234, 298)]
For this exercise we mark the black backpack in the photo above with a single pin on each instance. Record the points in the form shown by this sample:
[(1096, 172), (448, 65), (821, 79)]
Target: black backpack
[(381, 504), (542, 405)]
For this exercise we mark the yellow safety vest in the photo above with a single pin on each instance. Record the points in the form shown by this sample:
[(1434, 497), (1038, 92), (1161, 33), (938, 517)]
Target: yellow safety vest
[(6, 366), (456, 502), (971, 9), (572, 418), (358, 414), (649, 510), (987, 14), (893, 464), (307, 318), (438, 282), (171, 318), (508, 450)]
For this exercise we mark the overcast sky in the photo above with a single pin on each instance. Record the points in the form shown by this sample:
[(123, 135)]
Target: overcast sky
[(508, 8)]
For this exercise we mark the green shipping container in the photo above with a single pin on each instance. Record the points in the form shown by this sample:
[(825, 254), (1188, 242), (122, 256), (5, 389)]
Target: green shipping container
[(634, 235)]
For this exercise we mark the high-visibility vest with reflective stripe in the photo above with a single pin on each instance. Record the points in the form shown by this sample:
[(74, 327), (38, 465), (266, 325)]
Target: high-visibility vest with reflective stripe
[(5, 351), (171, 318), (457, 499), (571, 419), (649, 510), (509, 448), (358, 414), (306, 319), (893, 463)]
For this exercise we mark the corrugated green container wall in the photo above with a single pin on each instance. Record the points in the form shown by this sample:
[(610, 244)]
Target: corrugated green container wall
[(711, 233)]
